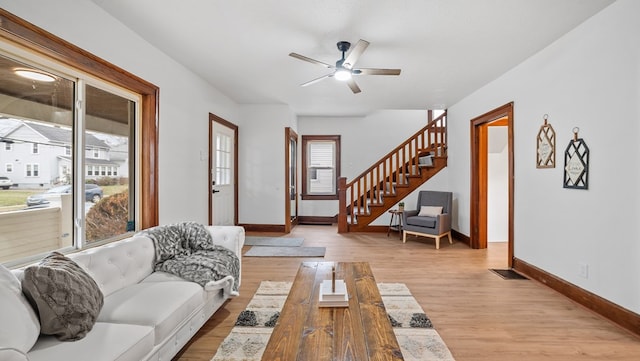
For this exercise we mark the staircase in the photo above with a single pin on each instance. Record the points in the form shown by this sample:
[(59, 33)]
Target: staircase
[(393, 177)]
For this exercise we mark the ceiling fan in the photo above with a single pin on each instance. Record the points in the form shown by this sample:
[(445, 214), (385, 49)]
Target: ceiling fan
[(344, 68)]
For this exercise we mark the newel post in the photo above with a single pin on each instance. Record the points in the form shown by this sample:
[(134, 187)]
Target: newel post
[(342, 205)]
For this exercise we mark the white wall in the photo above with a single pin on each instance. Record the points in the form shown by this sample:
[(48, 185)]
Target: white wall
[(185, 99), (261, 173), (590, 78)]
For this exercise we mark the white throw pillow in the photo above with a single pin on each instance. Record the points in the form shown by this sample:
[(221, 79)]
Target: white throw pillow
[(20, 325), (430, 211)]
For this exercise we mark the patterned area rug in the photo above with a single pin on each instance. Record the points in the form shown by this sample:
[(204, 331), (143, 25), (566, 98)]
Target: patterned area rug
[(414, 331)]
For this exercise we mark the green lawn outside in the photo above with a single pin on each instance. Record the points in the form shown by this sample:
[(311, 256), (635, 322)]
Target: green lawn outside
[(17, 198), (14, 197), (111, 190)]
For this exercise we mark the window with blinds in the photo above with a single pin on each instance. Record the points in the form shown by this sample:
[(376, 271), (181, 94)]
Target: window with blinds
[(320, 166)]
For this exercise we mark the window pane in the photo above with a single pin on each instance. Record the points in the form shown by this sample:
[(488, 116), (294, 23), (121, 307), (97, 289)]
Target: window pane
[(321, 154), (109, 123), (36, 116), (223, 159), (323, 182)]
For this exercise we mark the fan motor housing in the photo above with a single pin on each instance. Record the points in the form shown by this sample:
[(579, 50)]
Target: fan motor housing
[(343, 46)]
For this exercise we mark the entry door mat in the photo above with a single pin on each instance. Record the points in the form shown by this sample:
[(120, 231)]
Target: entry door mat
[(418, 339), (508, 274), (273, 241), (271, 251)]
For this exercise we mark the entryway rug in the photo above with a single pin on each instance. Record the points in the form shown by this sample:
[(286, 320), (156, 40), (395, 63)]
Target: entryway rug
[(418, 340), (273, 241), (268, 251)]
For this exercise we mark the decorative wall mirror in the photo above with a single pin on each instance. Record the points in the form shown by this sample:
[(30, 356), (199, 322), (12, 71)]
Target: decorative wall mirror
[(576, 163), (546, 146)]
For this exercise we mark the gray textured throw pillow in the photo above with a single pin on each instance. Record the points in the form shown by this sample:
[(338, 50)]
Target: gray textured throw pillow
[(66, 298)]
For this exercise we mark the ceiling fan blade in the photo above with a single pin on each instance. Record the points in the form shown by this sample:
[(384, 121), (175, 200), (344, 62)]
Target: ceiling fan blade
[(372, 71), (317, 79), (354, 87), (312, 61), (355, 53)]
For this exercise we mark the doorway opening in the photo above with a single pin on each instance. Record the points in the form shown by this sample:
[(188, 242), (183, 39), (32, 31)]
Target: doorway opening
[(480, 130), (291, 179)]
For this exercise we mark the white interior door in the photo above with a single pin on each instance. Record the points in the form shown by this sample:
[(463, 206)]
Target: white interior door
[(222, 169)]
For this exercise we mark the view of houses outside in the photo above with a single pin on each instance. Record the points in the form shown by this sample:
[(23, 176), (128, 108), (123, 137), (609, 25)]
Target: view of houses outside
[(38, 156)]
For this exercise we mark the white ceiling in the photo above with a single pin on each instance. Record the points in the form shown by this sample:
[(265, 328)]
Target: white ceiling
[(445, 48)]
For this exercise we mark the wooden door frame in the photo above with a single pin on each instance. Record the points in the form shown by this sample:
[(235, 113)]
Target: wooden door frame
[(216, 119), (479, 177), (289, 134)]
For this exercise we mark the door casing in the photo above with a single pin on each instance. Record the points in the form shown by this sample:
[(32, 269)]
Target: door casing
[(479, 175), (289, 223)]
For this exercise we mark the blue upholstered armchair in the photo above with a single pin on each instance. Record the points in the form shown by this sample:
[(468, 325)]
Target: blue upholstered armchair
[(432, 218)]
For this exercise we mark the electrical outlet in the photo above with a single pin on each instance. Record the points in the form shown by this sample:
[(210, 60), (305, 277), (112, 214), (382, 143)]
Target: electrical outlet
[(583, 270)]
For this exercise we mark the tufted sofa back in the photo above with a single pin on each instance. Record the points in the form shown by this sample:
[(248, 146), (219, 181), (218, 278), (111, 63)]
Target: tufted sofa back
[(119, 264)]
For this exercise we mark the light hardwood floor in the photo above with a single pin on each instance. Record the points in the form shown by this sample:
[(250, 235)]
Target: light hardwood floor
[(480, 316)]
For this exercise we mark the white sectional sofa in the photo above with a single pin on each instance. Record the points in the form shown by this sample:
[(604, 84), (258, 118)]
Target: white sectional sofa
[(146, 315)]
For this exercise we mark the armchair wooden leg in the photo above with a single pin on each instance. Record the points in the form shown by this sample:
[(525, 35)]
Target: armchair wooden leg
[(437, 242), (404, 236), (450, 239)]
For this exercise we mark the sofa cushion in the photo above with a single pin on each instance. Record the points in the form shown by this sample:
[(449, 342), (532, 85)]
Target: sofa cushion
[(186, 249), (231, 237), (160, 276), (429, 222), (11, 354), (429, 211), (67, 299), (119, 264), (106, 342), (20, 326), (162, 305)]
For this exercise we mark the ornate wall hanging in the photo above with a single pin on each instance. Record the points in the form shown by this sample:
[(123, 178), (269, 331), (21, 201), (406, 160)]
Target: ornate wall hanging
[(546, 146), (576, 163)]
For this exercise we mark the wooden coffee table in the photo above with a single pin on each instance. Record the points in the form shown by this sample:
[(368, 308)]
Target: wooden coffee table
[(359, 332)]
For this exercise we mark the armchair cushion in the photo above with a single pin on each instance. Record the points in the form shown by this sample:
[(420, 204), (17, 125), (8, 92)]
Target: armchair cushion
[(421, 221), (429, 211)]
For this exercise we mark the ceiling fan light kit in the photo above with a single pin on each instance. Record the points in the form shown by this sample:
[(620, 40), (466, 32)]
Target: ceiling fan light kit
[(342, 74), (344, 68)]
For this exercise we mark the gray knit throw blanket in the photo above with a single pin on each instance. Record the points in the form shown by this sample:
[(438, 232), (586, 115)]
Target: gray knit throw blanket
[(187, 250)]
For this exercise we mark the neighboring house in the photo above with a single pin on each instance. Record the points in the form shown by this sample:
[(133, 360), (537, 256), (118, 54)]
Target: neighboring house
[(35, 155)]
